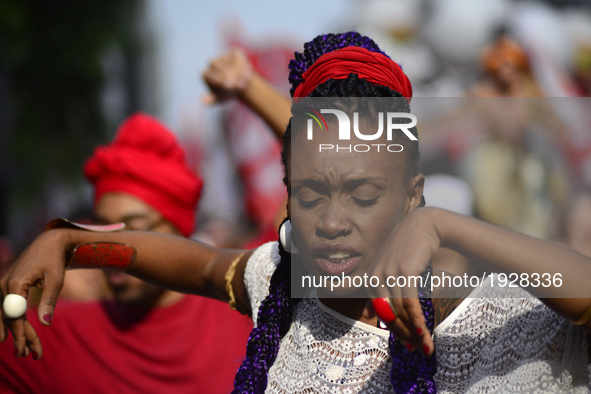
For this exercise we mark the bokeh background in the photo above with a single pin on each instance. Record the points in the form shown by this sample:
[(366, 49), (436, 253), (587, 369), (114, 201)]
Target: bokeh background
[(71, 71)]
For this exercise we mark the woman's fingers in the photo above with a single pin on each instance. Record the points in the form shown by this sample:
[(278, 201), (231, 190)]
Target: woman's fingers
[(415, 322), (17, 327), (24, 335), (33, 342), (409, 324), (26, 340), (41, 265), (5, 321), (52, 286)]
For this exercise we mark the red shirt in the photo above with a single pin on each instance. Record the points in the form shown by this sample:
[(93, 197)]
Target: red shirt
[(193, 346)]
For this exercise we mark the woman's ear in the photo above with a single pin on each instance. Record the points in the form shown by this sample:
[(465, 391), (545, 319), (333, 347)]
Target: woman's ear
[(416, 192)]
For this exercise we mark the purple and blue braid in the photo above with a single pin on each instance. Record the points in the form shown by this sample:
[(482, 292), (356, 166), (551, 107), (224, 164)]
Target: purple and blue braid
[(411, 372), (273, 322)]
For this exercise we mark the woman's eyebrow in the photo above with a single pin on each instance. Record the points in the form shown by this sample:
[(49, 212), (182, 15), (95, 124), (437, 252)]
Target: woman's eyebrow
[(349, 184), (367, 179), (373, 180)]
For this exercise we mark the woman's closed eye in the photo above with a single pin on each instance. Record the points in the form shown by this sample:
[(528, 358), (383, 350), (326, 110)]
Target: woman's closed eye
[(308, 198), (365, 195), (365, 202)]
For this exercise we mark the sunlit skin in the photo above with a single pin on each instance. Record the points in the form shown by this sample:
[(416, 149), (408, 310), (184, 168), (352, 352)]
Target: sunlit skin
[(126, 289), (346, 202)]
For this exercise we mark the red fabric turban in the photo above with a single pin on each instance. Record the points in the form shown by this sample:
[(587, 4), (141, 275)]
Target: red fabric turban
[(146, 161), (373, 66)]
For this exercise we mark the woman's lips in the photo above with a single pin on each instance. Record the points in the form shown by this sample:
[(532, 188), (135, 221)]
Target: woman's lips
[(336, 259), (333, 268)]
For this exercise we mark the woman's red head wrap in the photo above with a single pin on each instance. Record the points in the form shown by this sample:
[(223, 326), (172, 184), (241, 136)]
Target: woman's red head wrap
[(372, 66), (146, 161)]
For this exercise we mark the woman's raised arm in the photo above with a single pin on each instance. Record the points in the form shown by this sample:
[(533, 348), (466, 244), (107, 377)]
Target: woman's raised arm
[(232, 76)]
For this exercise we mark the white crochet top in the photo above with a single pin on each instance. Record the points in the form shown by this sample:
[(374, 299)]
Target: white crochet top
[(486, 345)]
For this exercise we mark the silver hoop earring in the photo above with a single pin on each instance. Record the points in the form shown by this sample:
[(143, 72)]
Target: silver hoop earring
[(286, 238)]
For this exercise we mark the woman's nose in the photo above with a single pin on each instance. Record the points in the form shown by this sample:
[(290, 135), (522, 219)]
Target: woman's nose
[(333, 223)]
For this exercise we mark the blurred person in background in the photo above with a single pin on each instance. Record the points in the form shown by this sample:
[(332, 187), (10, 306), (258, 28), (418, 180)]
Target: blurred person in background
[(517, 169), (147, 339), (507, 70)]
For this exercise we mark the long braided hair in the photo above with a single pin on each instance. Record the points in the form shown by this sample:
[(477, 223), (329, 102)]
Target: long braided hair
[(411, 372)]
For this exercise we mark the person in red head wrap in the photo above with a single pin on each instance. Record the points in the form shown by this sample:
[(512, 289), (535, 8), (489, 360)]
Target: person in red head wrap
[(146, 161), (147, 339)]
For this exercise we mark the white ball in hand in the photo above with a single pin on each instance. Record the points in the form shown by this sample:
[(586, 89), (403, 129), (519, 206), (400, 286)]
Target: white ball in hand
[(14, 306)]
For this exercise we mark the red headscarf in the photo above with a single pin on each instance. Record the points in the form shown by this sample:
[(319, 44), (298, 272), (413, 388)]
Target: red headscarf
[(146, 161), (373, 66)]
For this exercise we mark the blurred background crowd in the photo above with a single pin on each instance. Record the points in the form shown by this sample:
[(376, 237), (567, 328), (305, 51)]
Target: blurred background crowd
[(500, 90)]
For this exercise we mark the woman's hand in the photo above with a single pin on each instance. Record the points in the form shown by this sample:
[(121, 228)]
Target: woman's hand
[(41, 265), (406, 254), (232, 76), (228, 76)]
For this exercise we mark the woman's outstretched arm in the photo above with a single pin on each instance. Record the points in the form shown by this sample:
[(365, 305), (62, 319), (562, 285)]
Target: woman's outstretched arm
[(557, 275), (169, 261)]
